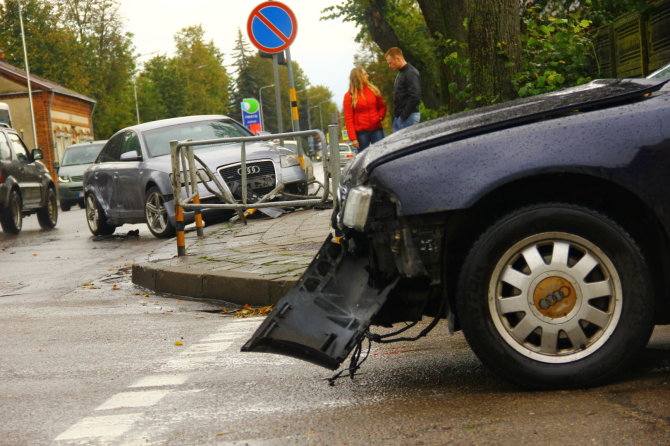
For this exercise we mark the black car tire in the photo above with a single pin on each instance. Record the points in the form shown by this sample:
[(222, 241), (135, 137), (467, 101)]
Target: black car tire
[(11, 217), (65, 205), (156, 214), (95, 217), (47, 216), (555, 296)]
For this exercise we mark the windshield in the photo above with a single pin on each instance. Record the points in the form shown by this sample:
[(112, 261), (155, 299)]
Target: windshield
[(81, 154), (158, 140)]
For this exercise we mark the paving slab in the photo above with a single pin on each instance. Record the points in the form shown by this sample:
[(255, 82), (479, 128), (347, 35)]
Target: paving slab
[(255, 264)]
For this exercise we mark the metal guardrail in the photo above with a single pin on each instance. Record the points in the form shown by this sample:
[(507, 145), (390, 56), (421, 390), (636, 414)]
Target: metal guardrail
[(185, 179)]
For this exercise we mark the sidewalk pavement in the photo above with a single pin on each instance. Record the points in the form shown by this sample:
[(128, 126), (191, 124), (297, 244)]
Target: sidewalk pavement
[(254, 264)]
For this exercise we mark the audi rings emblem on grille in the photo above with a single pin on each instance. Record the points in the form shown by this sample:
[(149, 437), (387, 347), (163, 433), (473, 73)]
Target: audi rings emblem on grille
[(250, 170)]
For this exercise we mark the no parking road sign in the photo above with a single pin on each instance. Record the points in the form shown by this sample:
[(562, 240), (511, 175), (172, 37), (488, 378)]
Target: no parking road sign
[(272, 27)]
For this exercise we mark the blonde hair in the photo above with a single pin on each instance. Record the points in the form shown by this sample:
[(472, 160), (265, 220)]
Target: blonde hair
[(357, 82)]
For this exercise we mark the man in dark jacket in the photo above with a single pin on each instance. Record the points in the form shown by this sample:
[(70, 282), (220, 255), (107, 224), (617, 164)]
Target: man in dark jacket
[(406, 90)]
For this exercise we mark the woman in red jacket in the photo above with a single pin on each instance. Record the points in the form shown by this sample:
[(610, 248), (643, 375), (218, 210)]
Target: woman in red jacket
[(364, 110)]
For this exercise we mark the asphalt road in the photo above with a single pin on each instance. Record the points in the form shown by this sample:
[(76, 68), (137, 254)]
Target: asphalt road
[(86, 358)]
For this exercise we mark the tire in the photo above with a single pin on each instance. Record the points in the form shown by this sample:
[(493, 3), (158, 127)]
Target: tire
[(555, 296), (81, 203), (11, 217), (156, 214), (47, 216), (65, 206), (95, 217)]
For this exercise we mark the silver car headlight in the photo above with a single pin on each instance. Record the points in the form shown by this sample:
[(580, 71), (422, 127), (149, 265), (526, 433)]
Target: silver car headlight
[(357, 207), (63, 178), (289, 160)]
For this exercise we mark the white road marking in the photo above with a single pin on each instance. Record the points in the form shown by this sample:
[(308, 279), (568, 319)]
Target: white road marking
[(215, 347), (109, 426), (133, 399), (204, 353), (189, 362), (160, 381), (217, 337)]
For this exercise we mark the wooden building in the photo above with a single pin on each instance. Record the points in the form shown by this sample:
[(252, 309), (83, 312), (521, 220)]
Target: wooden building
[(62, 117)]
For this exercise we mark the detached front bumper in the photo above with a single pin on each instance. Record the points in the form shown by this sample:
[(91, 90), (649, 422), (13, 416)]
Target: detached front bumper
[(322, 319)]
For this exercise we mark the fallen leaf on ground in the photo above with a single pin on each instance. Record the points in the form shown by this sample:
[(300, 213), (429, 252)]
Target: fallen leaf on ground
[(115, 287), (249, 311), (178, 343)]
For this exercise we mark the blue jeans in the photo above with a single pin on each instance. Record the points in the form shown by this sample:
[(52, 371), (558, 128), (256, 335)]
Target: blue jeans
[(367, 137), (399, 124)]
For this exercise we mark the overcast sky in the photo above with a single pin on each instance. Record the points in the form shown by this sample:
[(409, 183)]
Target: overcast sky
[(324, 49)]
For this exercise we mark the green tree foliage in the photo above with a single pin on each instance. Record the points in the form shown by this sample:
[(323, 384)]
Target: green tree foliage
[(193, 82), (79, 44), (557, 51), (469, 51)]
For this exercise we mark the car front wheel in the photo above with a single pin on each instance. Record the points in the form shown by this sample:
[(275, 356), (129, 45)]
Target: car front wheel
[(156, 214), (47, 216), (95, 217), (555, 296), (11, 217)]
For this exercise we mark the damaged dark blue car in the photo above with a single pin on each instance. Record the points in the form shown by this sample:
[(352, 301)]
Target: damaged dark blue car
[(540, 227)]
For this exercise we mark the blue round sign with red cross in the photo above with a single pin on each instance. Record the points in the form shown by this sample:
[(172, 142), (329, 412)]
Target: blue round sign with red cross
[(272, 27)]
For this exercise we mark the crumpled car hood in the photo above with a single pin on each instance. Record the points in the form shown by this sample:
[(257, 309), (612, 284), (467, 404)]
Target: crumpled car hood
[(596, 94)]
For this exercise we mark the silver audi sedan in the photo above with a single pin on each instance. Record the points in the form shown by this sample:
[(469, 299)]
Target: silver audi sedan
[(130, 180)]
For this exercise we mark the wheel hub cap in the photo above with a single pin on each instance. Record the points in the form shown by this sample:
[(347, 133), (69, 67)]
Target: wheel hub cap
[(554, 297)]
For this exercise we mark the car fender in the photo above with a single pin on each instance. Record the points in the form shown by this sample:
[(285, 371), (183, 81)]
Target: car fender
[(457, 174), (6, 188)]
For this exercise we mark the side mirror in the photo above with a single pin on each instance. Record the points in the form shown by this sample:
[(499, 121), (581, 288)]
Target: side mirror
[(131, 156), (37, 154)]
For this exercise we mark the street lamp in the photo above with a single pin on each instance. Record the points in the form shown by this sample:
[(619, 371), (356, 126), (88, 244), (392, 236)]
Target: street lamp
[(320, 117), (260, 101)]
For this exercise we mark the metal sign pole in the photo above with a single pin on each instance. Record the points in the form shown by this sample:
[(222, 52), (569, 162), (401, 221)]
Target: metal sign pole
[(280, 119), (294, 107)]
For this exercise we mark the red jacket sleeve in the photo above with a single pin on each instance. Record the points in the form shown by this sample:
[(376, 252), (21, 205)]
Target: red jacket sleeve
[(348, 110)]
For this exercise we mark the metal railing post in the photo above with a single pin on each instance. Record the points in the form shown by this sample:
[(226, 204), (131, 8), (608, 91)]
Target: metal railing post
[(176, 188), (243, 173), (334, 139), (193, 170)]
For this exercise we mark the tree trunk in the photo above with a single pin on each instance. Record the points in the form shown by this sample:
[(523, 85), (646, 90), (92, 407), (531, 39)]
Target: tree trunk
[(445, 20), (494, 45), (385, 37)]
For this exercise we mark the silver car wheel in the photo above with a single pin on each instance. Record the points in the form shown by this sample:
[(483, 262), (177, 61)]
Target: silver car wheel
[(555, 297), (156, 213), (92, 214), (16, 214)]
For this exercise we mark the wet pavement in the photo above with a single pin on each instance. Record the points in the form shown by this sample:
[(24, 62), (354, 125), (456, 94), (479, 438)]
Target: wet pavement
[(254, 264)]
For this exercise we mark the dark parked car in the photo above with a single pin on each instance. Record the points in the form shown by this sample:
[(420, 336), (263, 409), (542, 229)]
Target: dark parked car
[(540, 227), (75, 160), (130, 180), (26, 187)]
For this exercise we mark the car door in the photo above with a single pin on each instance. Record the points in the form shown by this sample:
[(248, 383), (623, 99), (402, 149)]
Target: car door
[(128, 194), (101, 178), (28, 174)]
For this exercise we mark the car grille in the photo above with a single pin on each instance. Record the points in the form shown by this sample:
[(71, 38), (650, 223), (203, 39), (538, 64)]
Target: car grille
[(77, 178), (261, 178)]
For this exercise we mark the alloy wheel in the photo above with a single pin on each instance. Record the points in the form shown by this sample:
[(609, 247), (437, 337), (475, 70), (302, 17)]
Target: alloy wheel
[(555, 297)]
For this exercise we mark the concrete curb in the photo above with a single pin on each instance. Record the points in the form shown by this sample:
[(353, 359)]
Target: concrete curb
[(217, 286), (255, 264)]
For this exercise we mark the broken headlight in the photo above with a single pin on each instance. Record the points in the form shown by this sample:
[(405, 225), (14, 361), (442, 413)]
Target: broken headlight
[(357, 207)]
